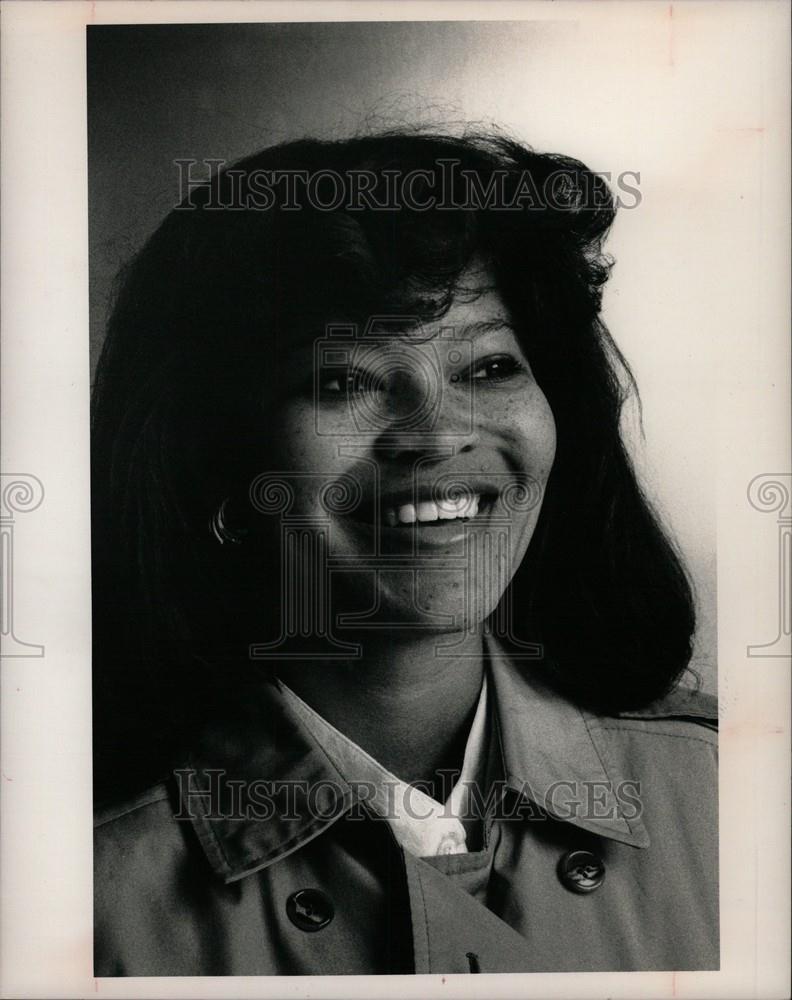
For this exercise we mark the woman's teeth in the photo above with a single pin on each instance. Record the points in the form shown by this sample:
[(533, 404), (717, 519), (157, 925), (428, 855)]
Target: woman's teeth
[(445, 510)]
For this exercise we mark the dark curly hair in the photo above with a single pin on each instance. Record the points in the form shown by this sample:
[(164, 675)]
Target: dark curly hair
[(177, 413)]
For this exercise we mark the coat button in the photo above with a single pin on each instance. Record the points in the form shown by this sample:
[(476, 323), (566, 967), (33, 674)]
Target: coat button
[(309, 909), (581, 871)]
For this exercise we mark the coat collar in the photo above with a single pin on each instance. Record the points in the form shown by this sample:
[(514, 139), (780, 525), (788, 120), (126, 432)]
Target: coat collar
[(552, 754), (260, 786)]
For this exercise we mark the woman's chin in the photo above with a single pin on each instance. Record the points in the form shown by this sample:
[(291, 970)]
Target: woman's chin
[(441, 601)]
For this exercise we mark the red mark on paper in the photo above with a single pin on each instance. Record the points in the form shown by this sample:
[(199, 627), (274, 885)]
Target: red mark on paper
[(670, 34)]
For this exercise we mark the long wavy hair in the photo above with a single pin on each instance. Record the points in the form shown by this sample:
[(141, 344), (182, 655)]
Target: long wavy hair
[(181, 390)]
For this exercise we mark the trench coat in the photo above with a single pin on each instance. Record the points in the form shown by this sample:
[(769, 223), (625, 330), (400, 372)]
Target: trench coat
[(599, 852)]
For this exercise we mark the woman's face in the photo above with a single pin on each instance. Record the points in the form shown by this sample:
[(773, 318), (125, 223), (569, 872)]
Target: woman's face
[(413, 461)]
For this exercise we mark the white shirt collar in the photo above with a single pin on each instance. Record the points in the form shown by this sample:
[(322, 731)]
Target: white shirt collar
[(422, 825)]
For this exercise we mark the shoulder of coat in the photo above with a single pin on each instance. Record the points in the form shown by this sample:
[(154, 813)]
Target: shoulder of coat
[(683, 704), (105, 814)]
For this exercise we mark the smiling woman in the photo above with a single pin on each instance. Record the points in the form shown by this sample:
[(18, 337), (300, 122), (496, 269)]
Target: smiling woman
[(371, 561)]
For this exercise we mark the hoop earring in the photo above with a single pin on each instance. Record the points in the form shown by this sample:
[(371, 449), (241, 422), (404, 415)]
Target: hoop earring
[(220, 529)]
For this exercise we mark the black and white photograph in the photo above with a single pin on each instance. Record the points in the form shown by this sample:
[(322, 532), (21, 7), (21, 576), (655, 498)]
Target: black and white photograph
[(387, 630), (412, 358)]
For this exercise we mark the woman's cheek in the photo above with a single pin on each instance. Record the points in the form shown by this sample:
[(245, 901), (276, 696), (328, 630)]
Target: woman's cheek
[(297, 446), (307, 459), (526, 420)]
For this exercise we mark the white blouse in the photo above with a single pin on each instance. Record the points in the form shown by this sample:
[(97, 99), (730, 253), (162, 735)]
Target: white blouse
[(422, 825)]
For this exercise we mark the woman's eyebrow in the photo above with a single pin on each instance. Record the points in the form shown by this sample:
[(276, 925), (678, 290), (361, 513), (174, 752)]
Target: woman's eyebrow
[(479, 328)]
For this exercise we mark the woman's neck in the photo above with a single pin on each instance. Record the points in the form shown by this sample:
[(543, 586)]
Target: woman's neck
[(406, 705)]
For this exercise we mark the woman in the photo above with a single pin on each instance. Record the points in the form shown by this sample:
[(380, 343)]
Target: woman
[(372, 564)]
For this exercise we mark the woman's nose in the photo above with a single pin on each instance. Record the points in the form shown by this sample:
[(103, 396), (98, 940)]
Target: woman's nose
[(426, 413)]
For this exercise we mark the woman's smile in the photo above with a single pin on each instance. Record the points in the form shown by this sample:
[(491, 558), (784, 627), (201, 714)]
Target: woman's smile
[(429, 516)]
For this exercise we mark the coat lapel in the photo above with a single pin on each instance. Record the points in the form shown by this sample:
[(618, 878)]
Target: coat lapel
[(550, 754)]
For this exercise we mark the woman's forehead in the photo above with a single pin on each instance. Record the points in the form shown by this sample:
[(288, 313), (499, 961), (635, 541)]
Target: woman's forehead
[(467, 317), (471, 313)]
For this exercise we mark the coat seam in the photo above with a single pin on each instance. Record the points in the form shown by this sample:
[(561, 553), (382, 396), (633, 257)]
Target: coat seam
[(207, 827), (315, 827), (425, 919), (203, 825), (320, 746), (135, 807), (670, 716), (673, 736), (633, 830)]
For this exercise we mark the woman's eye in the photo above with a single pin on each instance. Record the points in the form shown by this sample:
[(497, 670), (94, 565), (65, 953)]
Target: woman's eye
[(497, 368), (347, 383), (331, 385)]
